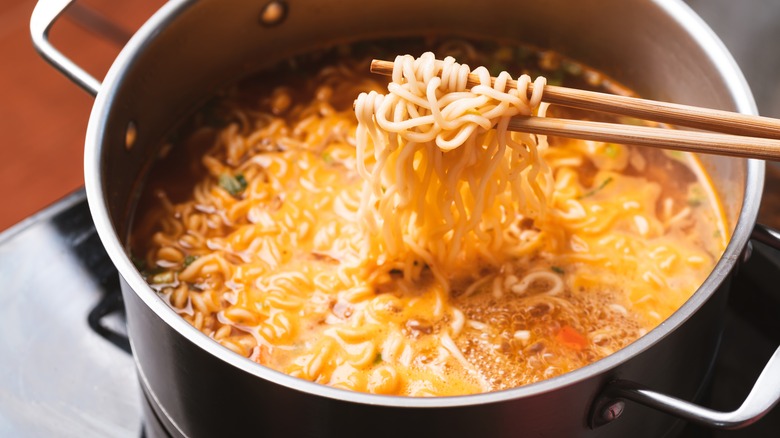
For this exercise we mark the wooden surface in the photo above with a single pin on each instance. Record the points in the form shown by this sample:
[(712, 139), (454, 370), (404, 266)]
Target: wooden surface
[(43, 116)]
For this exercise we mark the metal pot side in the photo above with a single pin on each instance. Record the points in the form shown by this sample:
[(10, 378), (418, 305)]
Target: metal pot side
[(190, 48)]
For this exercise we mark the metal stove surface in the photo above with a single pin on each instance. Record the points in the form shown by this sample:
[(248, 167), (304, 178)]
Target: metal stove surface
[(58, 376)]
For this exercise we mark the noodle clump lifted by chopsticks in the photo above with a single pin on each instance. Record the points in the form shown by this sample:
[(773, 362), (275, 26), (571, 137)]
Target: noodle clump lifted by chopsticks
[(446, 183)]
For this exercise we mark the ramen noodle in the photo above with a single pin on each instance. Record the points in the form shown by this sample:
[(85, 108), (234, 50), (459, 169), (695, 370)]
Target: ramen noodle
[(447, 180), (365, 260)]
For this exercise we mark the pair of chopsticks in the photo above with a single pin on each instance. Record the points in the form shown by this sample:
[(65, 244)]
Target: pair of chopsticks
[(732, 134)]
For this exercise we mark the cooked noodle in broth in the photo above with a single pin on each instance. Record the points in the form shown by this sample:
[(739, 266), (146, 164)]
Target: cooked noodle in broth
[(414, 246)]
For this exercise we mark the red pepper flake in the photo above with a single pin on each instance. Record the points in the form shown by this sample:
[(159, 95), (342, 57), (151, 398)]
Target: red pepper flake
[(570, 337)]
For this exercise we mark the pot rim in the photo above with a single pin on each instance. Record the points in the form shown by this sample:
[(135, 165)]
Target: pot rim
[(676, 9)]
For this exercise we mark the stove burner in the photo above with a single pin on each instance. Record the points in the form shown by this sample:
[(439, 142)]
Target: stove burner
[(107, 318), (99, 320)]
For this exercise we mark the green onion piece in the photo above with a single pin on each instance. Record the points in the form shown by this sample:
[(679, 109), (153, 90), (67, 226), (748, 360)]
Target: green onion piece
[(611, 150), (695, 202), (378, 358), (676, 155), (189, 259), (145, 270), (139, 263), (604, 184), (597, 189), (696, 196), (557, 270), (232, 184)]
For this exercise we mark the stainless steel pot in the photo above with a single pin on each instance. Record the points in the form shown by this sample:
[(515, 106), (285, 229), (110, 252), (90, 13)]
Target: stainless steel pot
[(197, 388)]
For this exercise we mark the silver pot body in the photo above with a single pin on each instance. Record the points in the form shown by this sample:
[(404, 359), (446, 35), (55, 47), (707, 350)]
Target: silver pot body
[(190, 48)]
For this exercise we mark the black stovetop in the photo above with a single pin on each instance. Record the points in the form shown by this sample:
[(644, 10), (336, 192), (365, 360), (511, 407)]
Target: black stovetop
[(58, 376)]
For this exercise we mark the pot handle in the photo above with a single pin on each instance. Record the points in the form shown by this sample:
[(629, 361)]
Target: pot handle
[(766, 235), (762, 398), (43, 17)]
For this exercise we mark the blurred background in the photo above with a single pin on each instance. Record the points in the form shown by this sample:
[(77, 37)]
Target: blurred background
[(43, 116)]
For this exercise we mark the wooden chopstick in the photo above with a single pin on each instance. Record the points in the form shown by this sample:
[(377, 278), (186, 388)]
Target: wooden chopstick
[(677, 139), (675, 114)]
